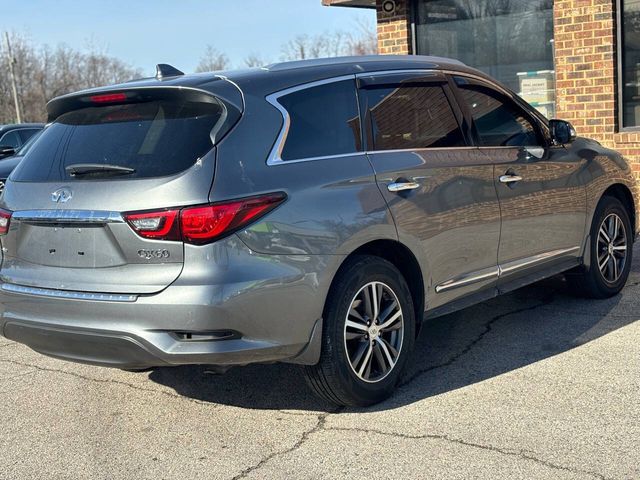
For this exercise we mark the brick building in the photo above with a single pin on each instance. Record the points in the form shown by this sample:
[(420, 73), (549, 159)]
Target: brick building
[(573, 59)]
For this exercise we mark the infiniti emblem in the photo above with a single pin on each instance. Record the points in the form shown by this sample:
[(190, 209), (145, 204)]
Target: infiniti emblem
[(61, 195)]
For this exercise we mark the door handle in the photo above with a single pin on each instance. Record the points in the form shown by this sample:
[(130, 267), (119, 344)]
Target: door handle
[(510, 178), (402, 186)]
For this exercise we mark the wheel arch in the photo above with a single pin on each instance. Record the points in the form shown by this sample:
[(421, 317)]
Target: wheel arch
[(623, 193), (405, 261)]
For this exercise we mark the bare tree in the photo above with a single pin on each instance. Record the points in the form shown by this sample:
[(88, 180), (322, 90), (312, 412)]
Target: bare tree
[(362, 41), (254, 60), (212, 60), (365, 39), (43, 73)]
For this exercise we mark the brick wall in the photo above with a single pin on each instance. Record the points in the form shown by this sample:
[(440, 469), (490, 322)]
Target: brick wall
[(585, 42), (394, 30)]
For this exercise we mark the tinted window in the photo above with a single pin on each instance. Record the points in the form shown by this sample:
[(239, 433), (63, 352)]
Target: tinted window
[(412, 116), (155, 138), (629, 59), (10, 139), (27, 146), (507, 39), (27, 133), (324, 121), (498, 121)]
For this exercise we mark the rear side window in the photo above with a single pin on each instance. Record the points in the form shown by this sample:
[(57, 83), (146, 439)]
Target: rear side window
[(154, 138), (498, 121), (10, 139), (27, 133), (324, 121), (411, 117)]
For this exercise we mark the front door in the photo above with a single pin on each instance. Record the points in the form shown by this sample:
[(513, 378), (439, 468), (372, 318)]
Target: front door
[(542, 201), (439, 189)]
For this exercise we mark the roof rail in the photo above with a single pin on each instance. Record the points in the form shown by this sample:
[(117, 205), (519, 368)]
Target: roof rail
[(164, 70)]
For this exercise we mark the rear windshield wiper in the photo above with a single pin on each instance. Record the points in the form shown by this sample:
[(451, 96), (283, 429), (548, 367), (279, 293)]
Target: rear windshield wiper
[(78, 169)]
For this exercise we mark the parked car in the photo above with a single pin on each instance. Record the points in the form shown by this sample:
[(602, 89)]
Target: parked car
[(7, 164), (310, 212), (12, 137)]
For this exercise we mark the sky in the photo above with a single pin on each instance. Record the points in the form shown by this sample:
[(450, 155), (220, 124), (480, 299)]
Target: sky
[(146, 32)]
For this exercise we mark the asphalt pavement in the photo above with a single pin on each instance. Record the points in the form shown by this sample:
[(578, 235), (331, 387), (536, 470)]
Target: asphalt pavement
[(537, 384)]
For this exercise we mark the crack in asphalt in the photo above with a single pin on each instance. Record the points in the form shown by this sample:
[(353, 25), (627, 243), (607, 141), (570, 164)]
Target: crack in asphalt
[(320, 425), (112, 381), (522, 454), (488, 327)]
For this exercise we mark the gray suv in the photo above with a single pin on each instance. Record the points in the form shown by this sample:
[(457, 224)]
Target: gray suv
[(310, 212)]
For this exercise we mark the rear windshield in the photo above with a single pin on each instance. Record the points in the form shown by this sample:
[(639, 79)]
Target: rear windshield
[(154, 139)]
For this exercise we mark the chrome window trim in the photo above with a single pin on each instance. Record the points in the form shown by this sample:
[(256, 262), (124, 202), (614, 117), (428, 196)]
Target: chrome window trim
[(67, 294), (76, 216), (275, 158), (424, 149), (500, 270)]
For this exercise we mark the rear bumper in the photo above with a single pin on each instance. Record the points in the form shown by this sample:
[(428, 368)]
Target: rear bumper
[(272, 305), (130, 351)]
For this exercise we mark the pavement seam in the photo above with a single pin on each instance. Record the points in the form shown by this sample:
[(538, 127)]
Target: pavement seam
[(522, 454), (488, 327), (320, 425), (116, 382)]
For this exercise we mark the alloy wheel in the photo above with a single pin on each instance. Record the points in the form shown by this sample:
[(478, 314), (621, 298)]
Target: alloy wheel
[(612, 248), (374, 332)]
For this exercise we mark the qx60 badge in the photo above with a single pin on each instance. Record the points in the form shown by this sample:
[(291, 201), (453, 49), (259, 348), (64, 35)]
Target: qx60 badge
[(61, 195)]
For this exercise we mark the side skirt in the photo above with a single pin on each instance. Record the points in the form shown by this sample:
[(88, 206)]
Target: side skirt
[(506, 287)]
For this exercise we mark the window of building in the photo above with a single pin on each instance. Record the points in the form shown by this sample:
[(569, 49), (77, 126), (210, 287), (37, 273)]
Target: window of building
[(411, 117), (511, 40), (629, 60), (498, 121), (324, 121)]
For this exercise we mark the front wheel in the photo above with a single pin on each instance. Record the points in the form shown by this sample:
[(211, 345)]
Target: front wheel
[(611, 247), (368, 334)]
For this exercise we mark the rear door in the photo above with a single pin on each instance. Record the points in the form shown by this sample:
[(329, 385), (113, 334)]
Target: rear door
[(440, 190), (104, 156), (541, 196)]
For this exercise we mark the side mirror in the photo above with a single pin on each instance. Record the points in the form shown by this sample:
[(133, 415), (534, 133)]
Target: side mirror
[(562, 132)]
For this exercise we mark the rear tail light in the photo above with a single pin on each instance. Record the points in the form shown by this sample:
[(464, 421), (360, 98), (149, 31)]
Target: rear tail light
[(5, 219), (160, 225), (205, 223)]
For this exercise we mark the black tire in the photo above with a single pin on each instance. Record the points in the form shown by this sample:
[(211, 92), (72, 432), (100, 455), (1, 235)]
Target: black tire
[(333, 378), (590, 281)]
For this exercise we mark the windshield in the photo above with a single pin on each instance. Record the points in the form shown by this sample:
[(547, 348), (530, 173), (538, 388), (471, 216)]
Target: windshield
[(152, 139)]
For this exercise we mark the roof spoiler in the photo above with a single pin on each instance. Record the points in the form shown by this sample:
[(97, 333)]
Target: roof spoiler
[(121, 94)]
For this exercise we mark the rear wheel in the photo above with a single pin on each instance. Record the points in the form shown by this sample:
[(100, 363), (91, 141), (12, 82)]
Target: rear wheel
[(368, 334), (611, 247)]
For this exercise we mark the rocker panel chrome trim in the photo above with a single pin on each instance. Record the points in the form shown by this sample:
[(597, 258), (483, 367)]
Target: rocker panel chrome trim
[(500, 270)]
